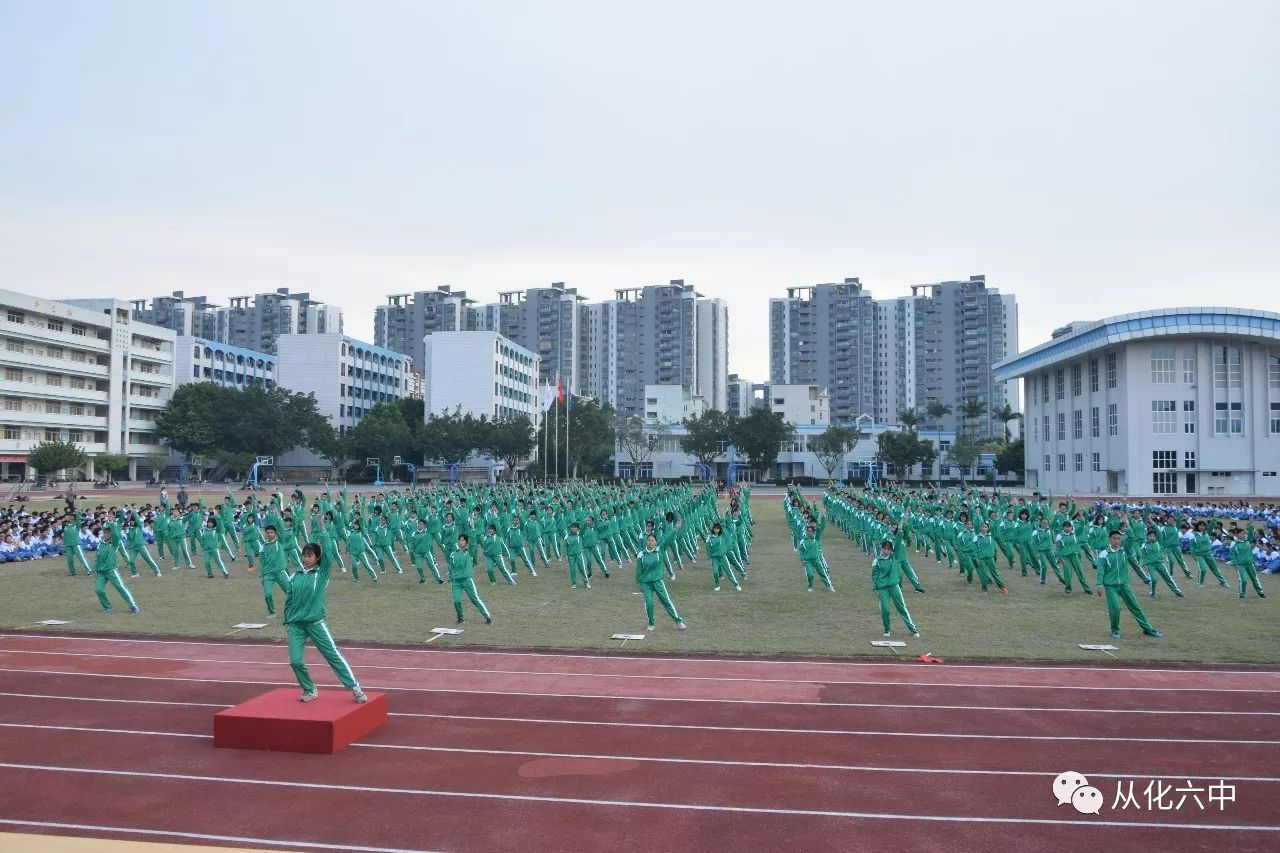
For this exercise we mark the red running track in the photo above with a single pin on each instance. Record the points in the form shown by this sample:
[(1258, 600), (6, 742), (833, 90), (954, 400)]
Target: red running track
[(500, 751)]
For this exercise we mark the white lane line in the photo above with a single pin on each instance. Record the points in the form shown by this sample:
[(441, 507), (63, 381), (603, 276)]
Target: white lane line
[(560, 674), (779, 765), (584, 696), (582, 801), (1047, 667), (122, 701), (203, 836), (852, 732)]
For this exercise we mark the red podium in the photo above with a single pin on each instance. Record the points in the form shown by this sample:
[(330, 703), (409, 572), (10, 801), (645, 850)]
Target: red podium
[(278, 721)]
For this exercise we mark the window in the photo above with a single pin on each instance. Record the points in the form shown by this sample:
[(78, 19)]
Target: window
[(12, 404), (55, 325), (1062, 426), (12, 432), (1164, 417), (1093, 375), (53, 379), (1275, 418), (52, 435), (1035, 429), (1097, 461), (1045, 420), (1162, 460), (1048, 462), (1228, 419), (1062, 462), (1077, 424), (1227, 367), (1111, 370), (1044, 387), (13, 346), (1189, 417), (1113, 419), (78, 330), (1059, 383), (1164, 482), (1163, 365), (16, 317), (52, 408), (1078, 462), (53, 352), (1189, 459), (1189, 365), (1076, 388), (12, 374), (1237, 418), (1220, 419), (78, 357), (1094, 424)]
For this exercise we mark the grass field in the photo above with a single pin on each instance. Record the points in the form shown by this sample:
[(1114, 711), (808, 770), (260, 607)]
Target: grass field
[(774, 615)]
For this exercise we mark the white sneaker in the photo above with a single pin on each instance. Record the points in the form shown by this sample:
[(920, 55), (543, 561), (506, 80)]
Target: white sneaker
[(886, 633), (681, 626), (650, 628), (717, 589), (309, 695), (915, 634), (588, 586), (359, 695)]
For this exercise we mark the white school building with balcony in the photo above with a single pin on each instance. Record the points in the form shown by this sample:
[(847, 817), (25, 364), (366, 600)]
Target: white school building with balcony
[(81, 371)]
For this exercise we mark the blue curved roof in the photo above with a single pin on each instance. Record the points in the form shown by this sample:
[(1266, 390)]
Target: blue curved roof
[(1083, 338)]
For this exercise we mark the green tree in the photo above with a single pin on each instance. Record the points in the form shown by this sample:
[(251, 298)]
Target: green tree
[(110, 464), (1012, 458), (511, 440), (633, 441), (832, 446), (52, 456), (910, 419), (902, 449), (760, 436), (382, 434), (158, 462), (451, 437), (190, 421), (1006, 415), (591, 438), (963, 454), (971, 411), (706, 436), (336, 448)]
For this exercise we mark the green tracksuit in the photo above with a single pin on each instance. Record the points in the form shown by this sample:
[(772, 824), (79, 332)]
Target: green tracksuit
[(210, 542), (814, 561), (984, 555), (304, 615), (495, 551), (1113, 579), (573, 550), (71, 546), (649, 565), (718, 553), (886, 580), (591, 551), (357, 548), (273, 572), (1202, 553), (420, 544), (1153, 556), (1068, 553), (462, 578), (104, 567), (1242, 559)]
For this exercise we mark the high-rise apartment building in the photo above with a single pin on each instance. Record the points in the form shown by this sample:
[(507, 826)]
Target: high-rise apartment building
[(248, 322), (825, 335), (407, 318), (543, 320), (880, 357)]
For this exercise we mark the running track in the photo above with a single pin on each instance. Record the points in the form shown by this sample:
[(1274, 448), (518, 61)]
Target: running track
[(504, 751)]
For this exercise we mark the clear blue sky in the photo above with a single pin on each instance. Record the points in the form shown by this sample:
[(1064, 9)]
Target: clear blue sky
[(1093, 159)]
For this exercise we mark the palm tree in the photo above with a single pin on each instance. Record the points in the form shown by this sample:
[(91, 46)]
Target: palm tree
[(910, 419), (1005, 416), (971, 410)]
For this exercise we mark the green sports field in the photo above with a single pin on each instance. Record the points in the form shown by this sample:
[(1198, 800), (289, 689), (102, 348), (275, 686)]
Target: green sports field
[(773, 616)]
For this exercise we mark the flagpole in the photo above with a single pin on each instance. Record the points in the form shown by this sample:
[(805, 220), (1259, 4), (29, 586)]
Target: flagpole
[(568, 409), (557, 404), (542, 407)]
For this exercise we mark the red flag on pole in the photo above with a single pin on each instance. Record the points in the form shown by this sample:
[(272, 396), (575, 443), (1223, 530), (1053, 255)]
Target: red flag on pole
[(559, 389)]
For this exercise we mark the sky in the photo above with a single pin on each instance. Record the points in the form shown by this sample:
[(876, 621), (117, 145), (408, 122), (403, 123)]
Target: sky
[(1092, 158)]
